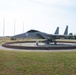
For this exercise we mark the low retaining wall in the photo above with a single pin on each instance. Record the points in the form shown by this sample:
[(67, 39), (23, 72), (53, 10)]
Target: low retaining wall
[(8, 45)]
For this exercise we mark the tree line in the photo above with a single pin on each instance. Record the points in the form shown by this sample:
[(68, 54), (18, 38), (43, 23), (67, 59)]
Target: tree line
[(71, 36)]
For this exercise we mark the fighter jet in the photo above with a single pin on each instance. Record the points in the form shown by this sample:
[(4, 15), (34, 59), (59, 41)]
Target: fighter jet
[(35, 34)]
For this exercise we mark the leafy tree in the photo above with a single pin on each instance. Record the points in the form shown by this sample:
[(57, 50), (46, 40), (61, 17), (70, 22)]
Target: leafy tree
[(71, 36), (75, 36)]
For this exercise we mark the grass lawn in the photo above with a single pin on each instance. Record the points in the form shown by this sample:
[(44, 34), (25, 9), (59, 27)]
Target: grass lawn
[(37, 63), (4, 40)]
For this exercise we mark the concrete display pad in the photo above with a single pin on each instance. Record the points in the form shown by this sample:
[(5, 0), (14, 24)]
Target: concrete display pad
[(31, 45)]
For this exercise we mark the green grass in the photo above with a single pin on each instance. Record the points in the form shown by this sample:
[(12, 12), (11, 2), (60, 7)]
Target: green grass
[(37, 63), (4, 40)]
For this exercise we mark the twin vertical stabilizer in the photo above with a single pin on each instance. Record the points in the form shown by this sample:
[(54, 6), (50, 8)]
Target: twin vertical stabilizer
[(57, 31), (66, 31)]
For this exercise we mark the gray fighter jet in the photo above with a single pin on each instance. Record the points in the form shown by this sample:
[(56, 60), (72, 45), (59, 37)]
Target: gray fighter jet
[(34, 34)]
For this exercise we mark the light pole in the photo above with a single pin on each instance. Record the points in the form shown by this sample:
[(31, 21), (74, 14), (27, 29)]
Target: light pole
[(23, 27), (3, 27), (14, 26)]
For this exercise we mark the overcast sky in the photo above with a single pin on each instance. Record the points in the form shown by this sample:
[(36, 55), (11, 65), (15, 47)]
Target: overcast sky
[(42, 15)]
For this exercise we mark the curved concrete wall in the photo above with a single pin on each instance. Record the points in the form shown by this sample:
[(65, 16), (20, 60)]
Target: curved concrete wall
[(8, 45)]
